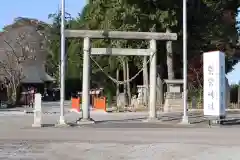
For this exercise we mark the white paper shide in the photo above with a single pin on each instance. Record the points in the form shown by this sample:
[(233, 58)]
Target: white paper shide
[(214, 83)]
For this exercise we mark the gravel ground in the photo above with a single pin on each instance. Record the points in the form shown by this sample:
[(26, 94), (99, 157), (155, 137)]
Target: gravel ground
[(118, 144), (115, 151), (118, 136)]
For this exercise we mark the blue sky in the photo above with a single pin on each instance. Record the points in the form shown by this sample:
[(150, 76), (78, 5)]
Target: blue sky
[(234, 76), (40, 9)]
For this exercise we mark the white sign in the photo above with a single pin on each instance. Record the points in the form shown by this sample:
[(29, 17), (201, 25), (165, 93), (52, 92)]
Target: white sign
[(214, 83)]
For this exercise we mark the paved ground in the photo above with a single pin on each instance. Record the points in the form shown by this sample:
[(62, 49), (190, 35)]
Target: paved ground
[(116, 136)]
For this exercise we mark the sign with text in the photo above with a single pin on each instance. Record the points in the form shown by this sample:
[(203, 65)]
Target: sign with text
[(214, 83)]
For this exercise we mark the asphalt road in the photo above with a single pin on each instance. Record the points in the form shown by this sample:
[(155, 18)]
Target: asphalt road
[(116, 136)]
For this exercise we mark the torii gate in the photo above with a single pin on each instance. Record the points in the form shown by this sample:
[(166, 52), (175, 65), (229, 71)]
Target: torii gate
[(100, 34)]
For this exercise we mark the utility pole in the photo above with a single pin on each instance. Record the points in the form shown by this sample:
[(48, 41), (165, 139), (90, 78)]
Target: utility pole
[(185, 112), (62, 67)]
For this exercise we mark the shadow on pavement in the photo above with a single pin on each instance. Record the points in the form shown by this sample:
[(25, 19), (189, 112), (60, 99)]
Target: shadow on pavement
[(48, 125), (137, 123), (230, 122), (164, 122), (9, 110)]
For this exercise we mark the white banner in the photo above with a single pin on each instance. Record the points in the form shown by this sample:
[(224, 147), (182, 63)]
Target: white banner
[(214, 83)]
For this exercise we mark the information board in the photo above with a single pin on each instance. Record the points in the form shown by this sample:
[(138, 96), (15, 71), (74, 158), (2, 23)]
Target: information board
[(214, 83)]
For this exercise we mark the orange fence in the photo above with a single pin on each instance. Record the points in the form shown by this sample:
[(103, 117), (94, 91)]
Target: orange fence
[(76, 104), (99, 103)]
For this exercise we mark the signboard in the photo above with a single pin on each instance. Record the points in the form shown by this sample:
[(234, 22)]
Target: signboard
[(214, 83)]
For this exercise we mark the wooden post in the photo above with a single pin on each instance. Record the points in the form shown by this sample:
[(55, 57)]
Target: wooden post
[(159, 90), (169, 58), (145, 80), (117, 85), (125, 84)]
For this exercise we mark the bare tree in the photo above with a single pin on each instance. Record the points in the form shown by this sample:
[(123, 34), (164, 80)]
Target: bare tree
[(15, 54), (195, 79), (195, 73), (22, 45)]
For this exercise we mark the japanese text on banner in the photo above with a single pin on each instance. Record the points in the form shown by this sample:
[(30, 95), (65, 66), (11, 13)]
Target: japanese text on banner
[(210, 81)]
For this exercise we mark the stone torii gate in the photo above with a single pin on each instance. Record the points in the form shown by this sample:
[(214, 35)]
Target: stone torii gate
[(100, 34)]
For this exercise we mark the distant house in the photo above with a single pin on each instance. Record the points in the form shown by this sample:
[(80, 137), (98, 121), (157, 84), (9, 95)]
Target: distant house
[(23, 42)]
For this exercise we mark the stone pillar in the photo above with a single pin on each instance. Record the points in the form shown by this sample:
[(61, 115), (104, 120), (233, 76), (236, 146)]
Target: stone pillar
[(153, 80), (37, 121), (86, 83), (159, 91), (86, 80), (194, 102)]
